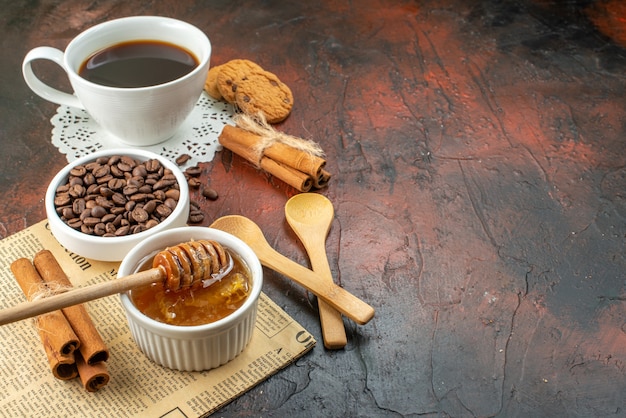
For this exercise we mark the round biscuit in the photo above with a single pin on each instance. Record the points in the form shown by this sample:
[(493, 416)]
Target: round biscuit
[(231, 73), (264, 92), (210, 85)]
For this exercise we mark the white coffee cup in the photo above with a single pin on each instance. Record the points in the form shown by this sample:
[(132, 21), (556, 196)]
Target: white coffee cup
[(138, 116)]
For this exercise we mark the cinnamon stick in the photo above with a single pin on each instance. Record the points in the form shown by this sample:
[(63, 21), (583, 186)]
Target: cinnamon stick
[(294, 178), (295, 158), (297, 179), (56, 334), (92, 347), (92, 376), (321, 180), (300, 160)]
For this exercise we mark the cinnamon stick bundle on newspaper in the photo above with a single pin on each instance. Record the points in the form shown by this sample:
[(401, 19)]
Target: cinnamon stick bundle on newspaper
[(58, 339), (296, 161), (71, 341)]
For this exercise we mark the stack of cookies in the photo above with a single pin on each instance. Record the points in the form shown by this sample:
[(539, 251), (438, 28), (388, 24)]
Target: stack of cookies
[(251, 89)]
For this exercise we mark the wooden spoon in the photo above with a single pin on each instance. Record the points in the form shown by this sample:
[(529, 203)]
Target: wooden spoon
[(310, 215), (339, 298)]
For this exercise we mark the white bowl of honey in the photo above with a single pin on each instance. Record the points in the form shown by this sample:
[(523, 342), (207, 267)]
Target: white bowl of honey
[(202, 324)]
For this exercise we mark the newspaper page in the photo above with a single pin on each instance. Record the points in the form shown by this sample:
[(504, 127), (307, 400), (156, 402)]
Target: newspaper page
[(137, 386)]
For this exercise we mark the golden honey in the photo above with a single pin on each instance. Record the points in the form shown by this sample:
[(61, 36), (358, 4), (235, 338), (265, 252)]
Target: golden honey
[(195, 305)]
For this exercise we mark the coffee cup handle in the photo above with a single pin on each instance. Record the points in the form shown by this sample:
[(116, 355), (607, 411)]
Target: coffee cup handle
[(39, 87)]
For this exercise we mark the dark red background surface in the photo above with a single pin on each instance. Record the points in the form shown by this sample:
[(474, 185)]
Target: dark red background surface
[(478, 155)]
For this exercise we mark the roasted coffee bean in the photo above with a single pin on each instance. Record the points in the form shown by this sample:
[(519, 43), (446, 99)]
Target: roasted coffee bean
[(78, 206), (123, 230), (130, 189), (182, 159), (104, 202), (152, 165), (85, 214), (139, 197), (160, 195), (139, 214), (209, 193), (136, 181), (194, 183), (119, 199), (150, 206), (109, 228), (89, 179), (109, 218), (104, 179), (93, 189), (75, 223), (116, 183), (151, 223), (163, 211), (101, 171), (128, 161), (130, 205), (116, 171), (98, 212), (77, 190), (68, 213), (76, 180), (196, 216), (172, 194), (78, 171), (93, 166), (170, 203), (99, 229), (91, 221), (116, 196), (194, 171), (164, 183), (62, 199), (140, 171), (86, 229)]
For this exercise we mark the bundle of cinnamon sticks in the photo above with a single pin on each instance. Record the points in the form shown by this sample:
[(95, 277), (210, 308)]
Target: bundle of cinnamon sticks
[(71, 342), (295, 161)]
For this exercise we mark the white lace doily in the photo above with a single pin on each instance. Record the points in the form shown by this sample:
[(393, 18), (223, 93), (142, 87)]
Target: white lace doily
[(75, 134)]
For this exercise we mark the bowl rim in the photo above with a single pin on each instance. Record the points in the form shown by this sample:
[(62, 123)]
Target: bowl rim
[(144, 155), (166, 238)]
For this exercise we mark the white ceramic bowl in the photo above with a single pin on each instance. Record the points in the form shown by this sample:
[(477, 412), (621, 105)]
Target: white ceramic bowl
[(199, 347), (112, 248)]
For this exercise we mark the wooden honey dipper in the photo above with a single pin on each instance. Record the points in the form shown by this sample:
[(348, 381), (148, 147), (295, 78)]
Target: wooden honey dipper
[(201, 262)]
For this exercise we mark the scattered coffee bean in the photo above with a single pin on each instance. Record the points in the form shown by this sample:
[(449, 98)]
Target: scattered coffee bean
[(209, 193), (182, 159), (194, 182), (194, 171), (195, 214), (117, 196)]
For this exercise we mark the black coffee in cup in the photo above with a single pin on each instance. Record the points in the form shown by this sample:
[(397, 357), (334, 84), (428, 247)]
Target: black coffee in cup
[(139, 63)]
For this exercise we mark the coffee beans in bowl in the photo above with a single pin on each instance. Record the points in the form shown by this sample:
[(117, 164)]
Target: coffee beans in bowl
[(103, 204)]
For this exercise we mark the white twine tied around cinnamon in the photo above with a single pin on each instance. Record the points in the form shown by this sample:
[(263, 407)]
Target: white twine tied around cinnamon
[(269, 136), (45, 290)]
